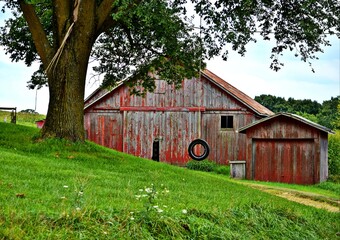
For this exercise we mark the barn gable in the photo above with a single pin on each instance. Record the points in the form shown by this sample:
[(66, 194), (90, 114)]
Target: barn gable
[(286, 148), (163, 123), (288, 117)]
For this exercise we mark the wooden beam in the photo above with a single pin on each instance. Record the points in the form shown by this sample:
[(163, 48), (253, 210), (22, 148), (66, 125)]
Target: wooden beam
[(8, 108), (163, 109)]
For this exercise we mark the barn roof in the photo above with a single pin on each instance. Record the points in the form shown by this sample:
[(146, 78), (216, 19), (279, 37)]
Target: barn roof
[(239, 95), (290, 115)]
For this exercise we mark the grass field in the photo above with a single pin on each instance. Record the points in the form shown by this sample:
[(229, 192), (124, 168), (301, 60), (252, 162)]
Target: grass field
[(55, 189), (25, 119)]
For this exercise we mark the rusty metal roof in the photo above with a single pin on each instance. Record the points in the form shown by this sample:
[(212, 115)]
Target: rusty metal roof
[(239, 95), (290, 115)]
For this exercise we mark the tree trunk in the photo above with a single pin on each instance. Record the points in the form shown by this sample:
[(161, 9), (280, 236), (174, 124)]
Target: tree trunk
[(76, 25), (66, 81)]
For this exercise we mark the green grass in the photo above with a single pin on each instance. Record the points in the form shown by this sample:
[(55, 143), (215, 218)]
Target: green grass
[(55, 189), (328, 189), (25, 119), (208, 166)]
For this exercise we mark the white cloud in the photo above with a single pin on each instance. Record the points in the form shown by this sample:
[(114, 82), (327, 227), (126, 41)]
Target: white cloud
[(252, 75)]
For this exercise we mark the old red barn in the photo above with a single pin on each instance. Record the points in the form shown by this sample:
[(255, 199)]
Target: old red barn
[(161, 125), (286, 148)]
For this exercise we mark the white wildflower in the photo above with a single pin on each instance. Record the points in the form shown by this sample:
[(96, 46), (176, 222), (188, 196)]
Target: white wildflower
[(166, 190), (159, 210), (132, 218), (65, 186), (184, 211), (78, 208)]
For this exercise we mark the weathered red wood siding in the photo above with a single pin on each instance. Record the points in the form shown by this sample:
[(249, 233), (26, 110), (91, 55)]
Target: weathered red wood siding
[(283, 149), (174, 117), (323, 156), (288, 160)]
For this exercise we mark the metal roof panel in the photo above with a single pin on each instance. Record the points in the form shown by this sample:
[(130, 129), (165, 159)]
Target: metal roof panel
[(239, 95)]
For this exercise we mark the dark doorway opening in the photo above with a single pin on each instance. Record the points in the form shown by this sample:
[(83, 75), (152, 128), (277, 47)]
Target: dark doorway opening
[(155, 151)]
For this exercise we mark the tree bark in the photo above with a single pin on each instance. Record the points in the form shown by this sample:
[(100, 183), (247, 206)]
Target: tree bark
[(66, 80), (66, 60), (66, 86)]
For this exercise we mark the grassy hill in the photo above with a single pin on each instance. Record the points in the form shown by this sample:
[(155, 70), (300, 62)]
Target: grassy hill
[(55, 189), (26, 119)]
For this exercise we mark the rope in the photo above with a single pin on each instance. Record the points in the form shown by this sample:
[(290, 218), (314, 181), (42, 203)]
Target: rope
[(57, 55), (200, 77)]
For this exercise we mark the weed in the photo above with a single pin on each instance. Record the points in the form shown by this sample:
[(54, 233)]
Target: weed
[(152, 204), (334, 187)]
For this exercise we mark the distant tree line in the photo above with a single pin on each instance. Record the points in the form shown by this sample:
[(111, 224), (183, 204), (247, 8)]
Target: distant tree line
[(326, 114)]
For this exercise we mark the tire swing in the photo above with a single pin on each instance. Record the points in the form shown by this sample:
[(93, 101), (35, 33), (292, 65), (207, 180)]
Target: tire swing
[(199, 141), (205, 153)]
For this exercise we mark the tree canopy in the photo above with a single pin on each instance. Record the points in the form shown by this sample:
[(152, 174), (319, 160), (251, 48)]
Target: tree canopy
[(326, 114), (136, 37), (145, 40)]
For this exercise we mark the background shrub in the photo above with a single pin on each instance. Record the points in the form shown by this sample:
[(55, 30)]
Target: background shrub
[(208, 166), (205, 165), (222, 169), (334, 156)]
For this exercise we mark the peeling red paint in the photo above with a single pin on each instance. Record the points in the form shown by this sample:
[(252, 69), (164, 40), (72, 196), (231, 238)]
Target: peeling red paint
[(284, 149), (173, 118)]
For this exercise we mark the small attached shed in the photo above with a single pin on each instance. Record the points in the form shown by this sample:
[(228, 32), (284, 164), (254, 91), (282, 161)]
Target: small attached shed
[(286, 148)]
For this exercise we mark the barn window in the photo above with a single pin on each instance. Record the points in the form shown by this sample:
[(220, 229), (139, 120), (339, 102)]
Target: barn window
[(227, 122)]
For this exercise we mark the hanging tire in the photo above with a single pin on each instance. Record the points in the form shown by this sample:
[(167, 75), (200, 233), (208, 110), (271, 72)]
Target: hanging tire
[(205, 153)]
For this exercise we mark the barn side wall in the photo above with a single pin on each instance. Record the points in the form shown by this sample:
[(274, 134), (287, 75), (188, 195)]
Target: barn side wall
[(173, 117)]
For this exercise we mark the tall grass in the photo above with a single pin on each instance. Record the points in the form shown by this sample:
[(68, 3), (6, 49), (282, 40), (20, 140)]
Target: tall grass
[(55, 189)]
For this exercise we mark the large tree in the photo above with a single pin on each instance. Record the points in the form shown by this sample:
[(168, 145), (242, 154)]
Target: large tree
[(142, 39)]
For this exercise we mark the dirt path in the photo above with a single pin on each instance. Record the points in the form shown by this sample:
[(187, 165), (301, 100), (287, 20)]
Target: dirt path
[(310, 199)]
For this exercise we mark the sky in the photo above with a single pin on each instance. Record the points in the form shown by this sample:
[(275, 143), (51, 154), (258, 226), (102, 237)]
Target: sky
[(250, 74)]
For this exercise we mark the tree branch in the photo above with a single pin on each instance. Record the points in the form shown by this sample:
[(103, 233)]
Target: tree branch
[(39, 36), (62, 13), (103, 15)]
